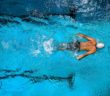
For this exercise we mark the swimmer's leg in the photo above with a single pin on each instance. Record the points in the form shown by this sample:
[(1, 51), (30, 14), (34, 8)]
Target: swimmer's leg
[(62, 47)]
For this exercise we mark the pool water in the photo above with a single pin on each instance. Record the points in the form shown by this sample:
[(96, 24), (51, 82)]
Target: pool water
[(30, 64)]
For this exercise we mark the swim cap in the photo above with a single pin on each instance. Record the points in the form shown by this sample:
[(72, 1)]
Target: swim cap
[(100, 45)]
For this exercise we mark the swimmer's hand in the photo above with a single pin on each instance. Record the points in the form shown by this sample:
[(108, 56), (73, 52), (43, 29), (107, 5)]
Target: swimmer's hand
[(79, 57), (82, 56), (81, 35)]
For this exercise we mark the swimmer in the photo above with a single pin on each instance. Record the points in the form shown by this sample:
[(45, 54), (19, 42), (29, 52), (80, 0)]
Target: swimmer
[(90, 46)]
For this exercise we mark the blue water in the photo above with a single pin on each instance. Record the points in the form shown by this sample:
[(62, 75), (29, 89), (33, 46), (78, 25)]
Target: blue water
[(32, 47)]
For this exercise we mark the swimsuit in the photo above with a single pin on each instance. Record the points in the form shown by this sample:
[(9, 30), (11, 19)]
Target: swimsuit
[(73, 46)]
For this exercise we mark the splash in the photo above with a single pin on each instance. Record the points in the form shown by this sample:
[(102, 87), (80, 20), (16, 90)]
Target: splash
[(48, 46), (35, 52)]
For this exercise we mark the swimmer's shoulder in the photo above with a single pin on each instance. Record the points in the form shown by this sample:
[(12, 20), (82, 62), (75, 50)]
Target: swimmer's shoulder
[(93, 41)]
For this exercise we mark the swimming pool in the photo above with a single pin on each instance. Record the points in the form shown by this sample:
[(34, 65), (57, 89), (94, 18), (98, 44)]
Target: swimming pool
[(30, 65)]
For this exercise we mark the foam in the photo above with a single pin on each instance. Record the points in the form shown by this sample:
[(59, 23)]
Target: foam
[(35, 52), (48, 46)]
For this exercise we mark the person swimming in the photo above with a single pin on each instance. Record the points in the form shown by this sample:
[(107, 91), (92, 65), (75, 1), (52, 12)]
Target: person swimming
[(91, 45)]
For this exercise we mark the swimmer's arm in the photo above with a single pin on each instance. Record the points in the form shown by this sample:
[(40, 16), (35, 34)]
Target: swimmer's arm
[(88, 53), (88, 38)]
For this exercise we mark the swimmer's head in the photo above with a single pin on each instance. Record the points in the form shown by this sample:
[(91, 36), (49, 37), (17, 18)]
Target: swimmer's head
[(100, 45)]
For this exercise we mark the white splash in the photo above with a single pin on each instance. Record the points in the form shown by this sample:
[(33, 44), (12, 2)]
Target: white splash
[(35, 52), (48, 46)]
